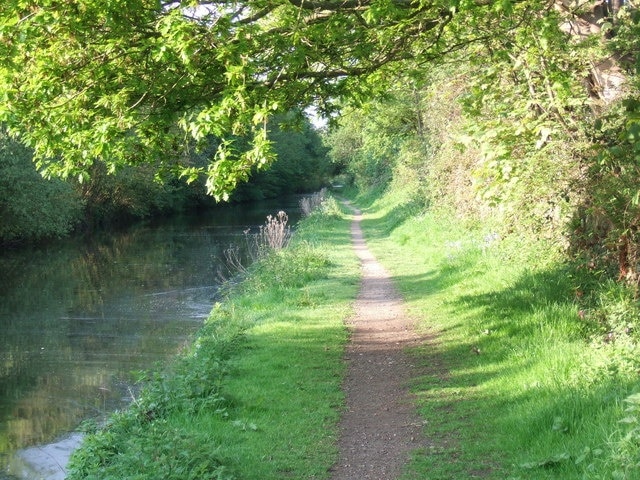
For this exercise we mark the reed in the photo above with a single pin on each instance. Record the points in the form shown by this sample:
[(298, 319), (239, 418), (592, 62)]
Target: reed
[(274, 235)]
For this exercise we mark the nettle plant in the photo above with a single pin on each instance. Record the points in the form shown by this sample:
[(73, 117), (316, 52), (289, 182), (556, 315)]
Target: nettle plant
[(626, 447)]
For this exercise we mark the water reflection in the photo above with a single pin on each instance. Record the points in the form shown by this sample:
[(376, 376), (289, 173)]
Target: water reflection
[(78, 317)]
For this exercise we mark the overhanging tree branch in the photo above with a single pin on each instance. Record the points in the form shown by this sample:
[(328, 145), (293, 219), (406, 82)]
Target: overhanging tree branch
[(151, 75)]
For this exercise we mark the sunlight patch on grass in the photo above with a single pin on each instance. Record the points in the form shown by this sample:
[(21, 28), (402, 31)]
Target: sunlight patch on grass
[(513, 386)]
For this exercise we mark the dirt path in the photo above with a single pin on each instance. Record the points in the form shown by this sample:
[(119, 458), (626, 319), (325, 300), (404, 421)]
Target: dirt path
[(379, 427)]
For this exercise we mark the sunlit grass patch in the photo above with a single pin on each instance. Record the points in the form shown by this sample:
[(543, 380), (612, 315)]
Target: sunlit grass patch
[(516, 383), (286, 387)]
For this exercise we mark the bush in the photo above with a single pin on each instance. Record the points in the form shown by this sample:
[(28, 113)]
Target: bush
[(31, 207)]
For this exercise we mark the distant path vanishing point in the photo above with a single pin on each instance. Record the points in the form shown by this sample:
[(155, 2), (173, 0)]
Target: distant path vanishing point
[(379, 427)]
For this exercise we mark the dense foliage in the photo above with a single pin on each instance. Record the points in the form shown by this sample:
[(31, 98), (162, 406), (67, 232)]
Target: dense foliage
[(534, 128), (30, 207), (33, 208), (143, 81)]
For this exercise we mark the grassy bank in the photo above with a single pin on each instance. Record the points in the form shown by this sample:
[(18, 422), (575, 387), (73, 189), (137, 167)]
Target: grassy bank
[(258, 394), (520, 380)]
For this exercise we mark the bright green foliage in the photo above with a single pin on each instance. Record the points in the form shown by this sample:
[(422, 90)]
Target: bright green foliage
[(146, 82), (557, 135), (527, 110), (519, 100), (547, 140)]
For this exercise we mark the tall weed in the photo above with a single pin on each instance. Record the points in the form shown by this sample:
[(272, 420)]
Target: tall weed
[(310, 203), (273, 236)]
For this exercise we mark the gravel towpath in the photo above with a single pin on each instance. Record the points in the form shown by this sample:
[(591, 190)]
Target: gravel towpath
[(379, 427)]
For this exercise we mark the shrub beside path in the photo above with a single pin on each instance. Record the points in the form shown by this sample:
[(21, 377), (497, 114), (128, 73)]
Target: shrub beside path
[(379, 427)]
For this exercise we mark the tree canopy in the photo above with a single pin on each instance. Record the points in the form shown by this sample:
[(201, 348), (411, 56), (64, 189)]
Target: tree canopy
[(147, 81)]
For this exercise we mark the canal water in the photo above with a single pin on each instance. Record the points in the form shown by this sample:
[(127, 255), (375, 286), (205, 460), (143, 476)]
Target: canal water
[(78, 318)]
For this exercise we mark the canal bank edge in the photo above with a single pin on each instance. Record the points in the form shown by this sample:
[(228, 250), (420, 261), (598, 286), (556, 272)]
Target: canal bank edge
[(263, 376)]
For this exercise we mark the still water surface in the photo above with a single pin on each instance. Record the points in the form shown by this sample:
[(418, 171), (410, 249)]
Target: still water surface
[(76, 318)]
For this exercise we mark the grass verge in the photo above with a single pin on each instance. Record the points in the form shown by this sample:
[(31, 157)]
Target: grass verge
[(258, 394), (517, 383)]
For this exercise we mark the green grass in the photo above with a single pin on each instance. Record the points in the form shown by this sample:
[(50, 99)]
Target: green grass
[(259, 394), (514, 384), (516, 378)]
